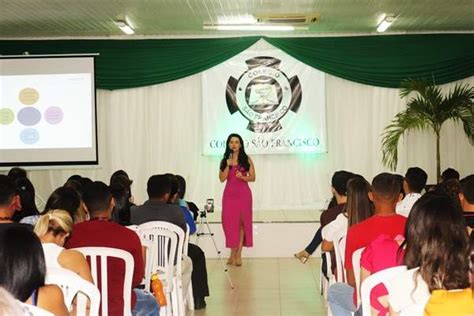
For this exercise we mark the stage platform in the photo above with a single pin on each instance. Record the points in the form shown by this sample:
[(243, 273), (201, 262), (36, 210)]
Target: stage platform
[(277, 234)]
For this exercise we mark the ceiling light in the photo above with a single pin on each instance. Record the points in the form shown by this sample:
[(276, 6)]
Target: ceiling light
[(385, 23), (253, 27), (125, 27)]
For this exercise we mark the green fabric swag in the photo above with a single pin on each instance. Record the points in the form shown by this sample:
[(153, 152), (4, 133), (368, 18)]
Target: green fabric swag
[(373, 60)]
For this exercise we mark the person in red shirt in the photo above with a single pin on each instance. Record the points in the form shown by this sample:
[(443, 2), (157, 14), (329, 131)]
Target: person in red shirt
[(100, 231), (384, 193)]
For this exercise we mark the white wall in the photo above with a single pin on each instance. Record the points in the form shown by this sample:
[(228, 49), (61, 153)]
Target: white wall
[(157, 129)]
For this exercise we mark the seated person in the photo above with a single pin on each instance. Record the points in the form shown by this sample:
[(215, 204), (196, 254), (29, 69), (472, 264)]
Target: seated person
[(53, 228), (9, 204), (199, 274), (100, 231), (437, 258), (466, 197), (413, 184), (26, 193), (339, 190), (384, 193), (23, 271), (357, 209), (158, 208)]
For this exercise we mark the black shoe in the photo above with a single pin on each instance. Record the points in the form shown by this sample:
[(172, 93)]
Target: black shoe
[(199, 303)]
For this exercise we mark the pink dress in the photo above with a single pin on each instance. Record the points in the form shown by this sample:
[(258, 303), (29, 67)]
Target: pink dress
[(237, 209)]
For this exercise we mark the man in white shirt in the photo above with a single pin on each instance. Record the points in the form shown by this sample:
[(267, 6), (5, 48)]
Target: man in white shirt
[(413, 184)]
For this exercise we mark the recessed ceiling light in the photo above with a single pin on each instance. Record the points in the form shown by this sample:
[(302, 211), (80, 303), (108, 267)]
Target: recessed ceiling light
[(125, 27), (385, 23)]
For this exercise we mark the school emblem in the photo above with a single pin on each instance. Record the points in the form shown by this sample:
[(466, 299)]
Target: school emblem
[(263, 94)]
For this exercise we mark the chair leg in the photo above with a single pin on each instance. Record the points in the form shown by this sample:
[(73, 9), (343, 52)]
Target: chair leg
[(190, 297)]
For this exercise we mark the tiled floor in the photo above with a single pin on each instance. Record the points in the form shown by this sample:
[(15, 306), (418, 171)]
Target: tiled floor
[(264, 287), (276, 216)]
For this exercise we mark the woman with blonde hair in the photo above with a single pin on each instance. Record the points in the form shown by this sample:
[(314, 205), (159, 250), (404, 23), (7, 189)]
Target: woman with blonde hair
[(53, 228)]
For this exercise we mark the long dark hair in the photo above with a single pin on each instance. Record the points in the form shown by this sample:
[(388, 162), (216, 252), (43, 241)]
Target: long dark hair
[(23, 265), (121, 191), (26, 192), (358, 206), (437, 242), (243, 159)]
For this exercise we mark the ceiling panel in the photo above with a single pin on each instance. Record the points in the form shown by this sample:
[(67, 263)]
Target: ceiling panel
[(52, 18)]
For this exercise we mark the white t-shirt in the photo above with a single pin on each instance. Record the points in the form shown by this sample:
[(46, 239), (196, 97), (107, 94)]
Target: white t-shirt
[(405, 205), (404, 296), (51, 254), (335, 228)]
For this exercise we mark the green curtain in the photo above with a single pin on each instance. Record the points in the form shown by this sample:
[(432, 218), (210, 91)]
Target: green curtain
[(385, 61), (373, 60), (137, 63)]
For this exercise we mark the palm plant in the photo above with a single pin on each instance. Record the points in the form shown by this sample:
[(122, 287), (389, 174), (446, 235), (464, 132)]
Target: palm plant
[(428, 109)]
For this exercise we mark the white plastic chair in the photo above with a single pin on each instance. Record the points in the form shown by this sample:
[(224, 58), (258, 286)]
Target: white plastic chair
[(189, 298), (168, 241), (72, 284), (150, 253), (356, 267), (104, 253), (339, 250), (371, 281)]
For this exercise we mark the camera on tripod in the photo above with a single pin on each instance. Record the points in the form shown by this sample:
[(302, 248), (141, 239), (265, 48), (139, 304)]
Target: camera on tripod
[(208, 207)]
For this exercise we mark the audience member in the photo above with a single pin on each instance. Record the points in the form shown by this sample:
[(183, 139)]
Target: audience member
[(23, 271), (449, 173), (466, 197), (9, 306), (339, 190), (413, 184), (199, 274), (181, 193), (436, 254), (26, 193), (385, 193), (17, 172), (157, 208), (68, 199), (451, 188), (9, 203), (121, 191), (53, 228), (100, 231), (357, 208)]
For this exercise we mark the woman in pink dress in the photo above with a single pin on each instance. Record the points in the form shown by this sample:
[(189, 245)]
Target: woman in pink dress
[(237, 168)]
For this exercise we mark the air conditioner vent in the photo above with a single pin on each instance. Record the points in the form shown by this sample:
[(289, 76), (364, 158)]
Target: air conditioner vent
[(293, 19)]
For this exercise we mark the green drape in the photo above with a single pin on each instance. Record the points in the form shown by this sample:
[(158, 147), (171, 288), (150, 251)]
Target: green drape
[(385, 61), (373, 60), (137, 63)]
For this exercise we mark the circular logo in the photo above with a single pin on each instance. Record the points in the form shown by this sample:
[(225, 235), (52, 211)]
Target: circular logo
[(263, 94), (53, 115), (28, 96), (6, 116), (29, 116), (29, 136)]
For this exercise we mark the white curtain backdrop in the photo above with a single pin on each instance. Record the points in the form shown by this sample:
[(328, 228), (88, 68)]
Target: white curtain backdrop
[(158, 129)]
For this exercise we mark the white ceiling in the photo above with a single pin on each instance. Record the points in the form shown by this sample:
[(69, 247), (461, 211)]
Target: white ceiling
[(175, 18)]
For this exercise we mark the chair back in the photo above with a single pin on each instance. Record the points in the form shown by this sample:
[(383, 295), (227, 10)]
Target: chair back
[(339, 251), (371, 281), (356, 266), (149, 253), (73, 285), (105, 253), (169, 240)]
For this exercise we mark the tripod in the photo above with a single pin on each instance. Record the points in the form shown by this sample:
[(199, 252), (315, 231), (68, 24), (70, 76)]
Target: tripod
[(203, 223)]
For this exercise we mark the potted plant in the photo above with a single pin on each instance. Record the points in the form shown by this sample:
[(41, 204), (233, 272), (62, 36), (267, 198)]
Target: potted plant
[(428, 109)]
